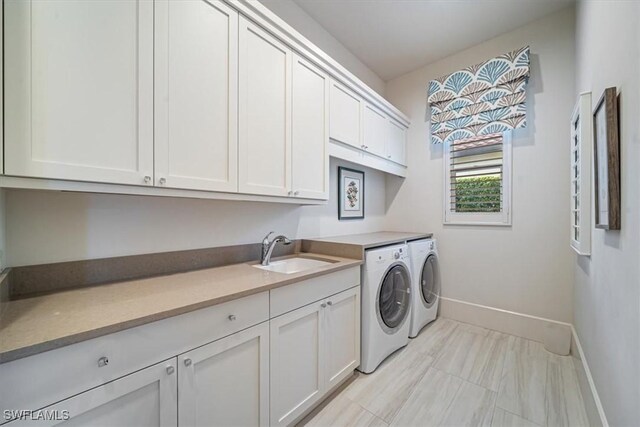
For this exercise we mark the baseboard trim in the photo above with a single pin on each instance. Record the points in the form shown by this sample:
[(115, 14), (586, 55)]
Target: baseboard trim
[(592, 403), (509, 322), (532, 328)]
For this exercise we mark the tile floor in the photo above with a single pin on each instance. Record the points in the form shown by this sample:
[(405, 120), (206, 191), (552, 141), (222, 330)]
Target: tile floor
[(456, 374)]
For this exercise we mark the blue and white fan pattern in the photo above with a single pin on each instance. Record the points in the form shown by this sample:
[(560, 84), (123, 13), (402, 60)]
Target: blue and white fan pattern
[(482, 99)]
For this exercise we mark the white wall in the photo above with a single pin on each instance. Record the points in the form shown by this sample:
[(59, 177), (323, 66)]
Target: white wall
[(526, 267), (607, 287), (2, 230), (45, 227), (300, 20)]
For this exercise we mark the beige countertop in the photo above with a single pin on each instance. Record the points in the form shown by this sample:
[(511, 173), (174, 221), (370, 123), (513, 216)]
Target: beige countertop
[(354, 245), (32, 325), (370, 240)]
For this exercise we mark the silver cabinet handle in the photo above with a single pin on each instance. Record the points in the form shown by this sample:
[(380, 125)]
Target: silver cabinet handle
[(163, 181), (323, 305), (187, 362), (170, 370), (329, 303), (232, 317), (147, 179), (290, 193), (103, 361)]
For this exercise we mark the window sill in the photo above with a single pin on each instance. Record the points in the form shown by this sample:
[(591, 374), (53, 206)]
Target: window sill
[(483, 223)]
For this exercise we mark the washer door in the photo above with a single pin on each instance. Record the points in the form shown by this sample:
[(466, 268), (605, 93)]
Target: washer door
[(393, 297), (430, 281)]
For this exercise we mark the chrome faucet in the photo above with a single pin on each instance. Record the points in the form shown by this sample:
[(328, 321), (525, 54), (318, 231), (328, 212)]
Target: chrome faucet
[(267, 247)]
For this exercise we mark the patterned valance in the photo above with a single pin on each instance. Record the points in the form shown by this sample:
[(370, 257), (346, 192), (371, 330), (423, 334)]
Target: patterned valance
[(482, 99)]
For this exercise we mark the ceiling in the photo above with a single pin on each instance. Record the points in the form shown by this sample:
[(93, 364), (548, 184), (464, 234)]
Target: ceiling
[(393, 37)]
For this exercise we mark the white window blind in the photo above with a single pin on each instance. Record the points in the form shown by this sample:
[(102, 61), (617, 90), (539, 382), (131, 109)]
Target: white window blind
[(581, 145), (477, 180)]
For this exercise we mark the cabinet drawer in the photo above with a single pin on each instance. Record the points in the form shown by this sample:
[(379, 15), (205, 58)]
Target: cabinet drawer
[(37, 381), (290, 297)]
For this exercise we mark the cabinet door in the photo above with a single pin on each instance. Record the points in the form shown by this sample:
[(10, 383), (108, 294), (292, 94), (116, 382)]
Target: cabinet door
[(144, 398), (265, 112), (196, 57), (297, 377), (342, 322), (310, 131), (345, 116), (79, 90), (375, 131), (397, 143), (226, 383)]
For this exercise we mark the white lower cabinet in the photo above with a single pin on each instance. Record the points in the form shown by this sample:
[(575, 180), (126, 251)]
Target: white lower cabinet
[(296, 362), (313, 349), (144, 398), (226, 383), (342, 323), (226, 365)]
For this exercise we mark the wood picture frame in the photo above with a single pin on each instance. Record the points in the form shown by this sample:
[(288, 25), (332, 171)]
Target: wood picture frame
[(350, 193), (606, 161)]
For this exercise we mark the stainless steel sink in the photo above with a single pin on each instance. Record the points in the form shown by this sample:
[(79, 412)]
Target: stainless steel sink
[(293, 265)]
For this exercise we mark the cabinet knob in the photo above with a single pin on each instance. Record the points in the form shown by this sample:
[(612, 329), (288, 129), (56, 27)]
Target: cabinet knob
[(329, 303), (323, 305), (290, 193), (103, 361), (147, 179), (295, 193), (187, 362), (170, 370), (389, 156), (232, 317), (163, 181)]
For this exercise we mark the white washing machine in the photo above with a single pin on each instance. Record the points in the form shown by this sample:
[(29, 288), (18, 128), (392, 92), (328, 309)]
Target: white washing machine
[(386, 304), (425, 286)]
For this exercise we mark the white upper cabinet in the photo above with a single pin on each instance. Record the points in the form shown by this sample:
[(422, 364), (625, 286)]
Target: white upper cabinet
[(345, 116), (226, 383), (79, 90), (196, 57), (396, 142), (310, 131), (265, 112), (375, 131)]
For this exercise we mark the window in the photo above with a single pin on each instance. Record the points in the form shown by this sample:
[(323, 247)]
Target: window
[(581, 140), (478, 180)]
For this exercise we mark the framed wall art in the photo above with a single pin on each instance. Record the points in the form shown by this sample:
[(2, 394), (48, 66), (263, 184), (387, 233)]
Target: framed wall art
[(350, 193), (607, 161)]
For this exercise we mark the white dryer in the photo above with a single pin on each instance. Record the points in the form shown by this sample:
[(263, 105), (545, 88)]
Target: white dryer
[(386, 304), (425, 287)]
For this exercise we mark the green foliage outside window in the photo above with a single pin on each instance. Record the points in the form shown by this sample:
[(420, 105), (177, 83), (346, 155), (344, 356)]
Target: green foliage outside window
[(478, 194)]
